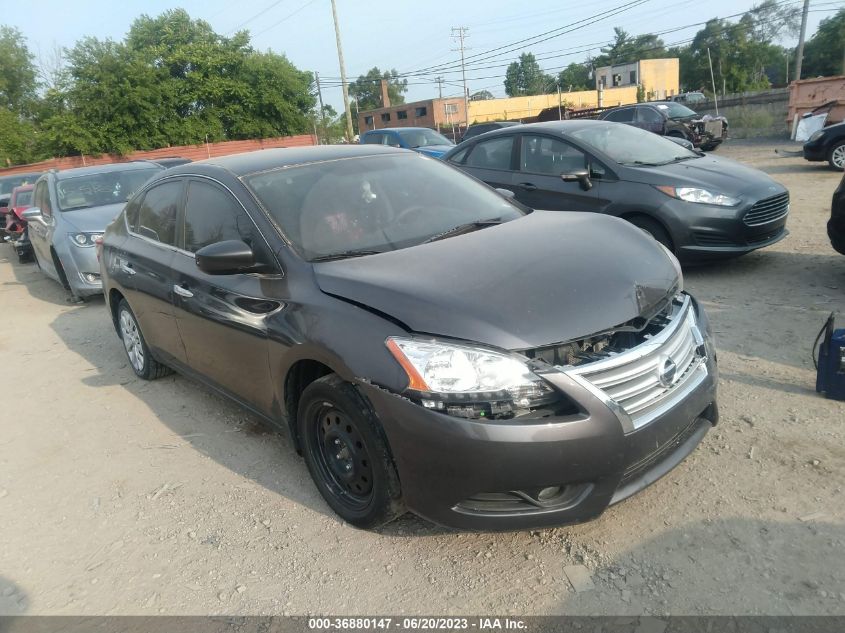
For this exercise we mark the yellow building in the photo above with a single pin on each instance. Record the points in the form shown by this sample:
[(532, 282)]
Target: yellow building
[(660, 78), (516, 108)]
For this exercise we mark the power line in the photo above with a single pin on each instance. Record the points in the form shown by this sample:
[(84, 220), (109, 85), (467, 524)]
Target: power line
[(257, 15), (287, 17)]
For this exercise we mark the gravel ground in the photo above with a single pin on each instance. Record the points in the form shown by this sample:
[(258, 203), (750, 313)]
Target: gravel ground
[(119, 496)]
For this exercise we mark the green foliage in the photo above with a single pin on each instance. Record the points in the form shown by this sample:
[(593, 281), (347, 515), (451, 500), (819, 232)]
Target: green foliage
[(524, 78), (575, 77), (17, 71), (624, 49), (17, 139), (367, 89), (824, 53), (481, 95)]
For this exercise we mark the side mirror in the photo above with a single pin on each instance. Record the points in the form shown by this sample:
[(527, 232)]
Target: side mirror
[(507, 193), (581, 176), (225, 258), (33, 213)]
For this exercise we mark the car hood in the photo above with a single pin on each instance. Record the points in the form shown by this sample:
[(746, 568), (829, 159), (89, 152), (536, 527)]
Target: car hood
[(94, 219), (434, 150), (719, 174), (545, 278)]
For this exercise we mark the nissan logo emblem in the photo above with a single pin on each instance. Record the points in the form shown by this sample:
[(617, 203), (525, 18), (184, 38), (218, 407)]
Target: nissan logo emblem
[(667, 373)]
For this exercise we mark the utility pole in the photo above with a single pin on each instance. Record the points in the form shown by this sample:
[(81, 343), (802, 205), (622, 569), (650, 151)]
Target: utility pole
[(322, 120), (439, 81), (345, 88), (460, 33), (713, 82), (799, 58)]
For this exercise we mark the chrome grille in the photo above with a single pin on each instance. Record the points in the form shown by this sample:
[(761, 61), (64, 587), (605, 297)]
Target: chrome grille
[(643, 379), (767, 210)]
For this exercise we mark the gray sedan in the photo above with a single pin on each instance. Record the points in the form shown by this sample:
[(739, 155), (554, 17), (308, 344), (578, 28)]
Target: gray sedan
[(71, 209)]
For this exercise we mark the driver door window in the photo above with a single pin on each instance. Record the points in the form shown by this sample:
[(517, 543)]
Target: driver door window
[(549, 156)]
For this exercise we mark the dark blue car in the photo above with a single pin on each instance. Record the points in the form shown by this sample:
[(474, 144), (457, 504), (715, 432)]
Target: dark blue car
[(420, 139)]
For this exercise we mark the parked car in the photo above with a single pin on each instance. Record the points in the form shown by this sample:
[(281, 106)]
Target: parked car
[(836, 224), (171, 161), (689, 97), (7, 184), (481, 128), (699, 206), (15, 228), (420, 139), (827, 144), (71, 210), (396, 317), (667, 118)]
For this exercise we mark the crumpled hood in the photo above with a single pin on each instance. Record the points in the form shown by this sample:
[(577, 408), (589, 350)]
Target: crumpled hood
[(434, 150), (716, 173), (95, 219), (546, 278)]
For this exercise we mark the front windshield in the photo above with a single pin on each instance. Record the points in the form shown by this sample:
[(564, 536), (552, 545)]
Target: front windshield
[(423, 138), (374, 203), (97, 190), (676, 110), (23, 198), (8, 184), (628, 145)]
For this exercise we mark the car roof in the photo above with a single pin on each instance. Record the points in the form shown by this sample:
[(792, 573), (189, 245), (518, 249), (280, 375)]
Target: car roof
[(553, 127), (23, 188), (103, 169), (399, 129), (267, 159)]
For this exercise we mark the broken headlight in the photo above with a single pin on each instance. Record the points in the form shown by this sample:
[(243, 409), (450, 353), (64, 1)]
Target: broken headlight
[(468, 381)]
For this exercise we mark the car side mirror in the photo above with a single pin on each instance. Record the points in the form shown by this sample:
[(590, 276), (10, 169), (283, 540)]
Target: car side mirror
[(507, 193), (581, 176), (33, 213), (225, 258)]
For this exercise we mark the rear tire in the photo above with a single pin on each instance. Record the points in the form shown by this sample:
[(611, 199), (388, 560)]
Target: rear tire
[(140, 359), (347, 454), (836, 156), (653, 228)]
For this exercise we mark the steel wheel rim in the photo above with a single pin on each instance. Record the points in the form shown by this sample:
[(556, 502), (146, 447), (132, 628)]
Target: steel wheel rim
[(838, 157), (131, 336), (342, 457)]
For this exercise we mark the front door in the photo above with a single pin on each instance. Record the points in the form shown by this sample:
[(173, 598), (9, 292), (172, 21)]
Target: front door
[(40, 230), (223, 318)]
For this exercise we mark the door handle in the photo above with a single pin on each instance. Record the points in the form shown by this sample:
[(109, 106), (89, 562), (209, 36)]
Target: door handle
[(528, 186), (183, 292), (126, 267)]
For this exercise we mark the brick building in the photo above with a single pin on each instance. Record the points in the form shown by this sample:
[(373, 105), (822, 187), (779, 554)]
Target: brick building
[(432, 113)]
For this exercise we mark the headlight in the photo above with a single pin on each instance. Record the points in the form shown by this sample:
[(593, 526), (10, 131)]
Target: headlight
[(444, 374), (702, 196), (84, 239), (815, 136)]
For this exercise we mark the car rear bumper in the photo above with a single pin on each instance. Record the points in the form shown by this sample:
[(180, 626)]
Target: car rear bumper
[(486, 475)]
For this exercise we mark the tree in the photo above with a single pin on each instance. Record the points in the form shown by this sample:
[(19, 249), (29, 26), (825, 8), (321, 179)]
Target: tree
[(17, 71), (367, 89), (525, 78), (824, 53), (624, 49), (481, 95), (575, 77)]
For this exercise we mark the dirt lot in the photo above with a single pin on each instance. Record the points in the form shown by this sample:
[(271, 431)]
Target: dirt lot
[(119, 496)]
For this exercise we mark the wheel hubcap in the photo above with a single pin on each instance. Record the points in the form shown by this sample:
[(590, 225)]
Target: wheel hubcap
[(131, 336), (344, 457), (839, 157)]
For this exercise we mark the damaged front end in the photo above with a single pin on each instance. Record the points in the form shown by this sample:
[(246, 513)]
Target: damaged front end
[(708, 131)]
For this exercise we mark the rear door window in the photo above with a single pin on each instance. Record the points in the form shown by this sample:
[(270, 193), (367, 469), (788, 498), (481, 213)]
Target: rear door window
[(624, 115), (158, 211), (492, 154)]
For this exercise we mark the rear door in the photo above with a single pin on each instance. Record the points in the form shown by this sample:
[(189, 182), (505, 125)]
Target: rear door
[(223, 318), (144, 265), (491, 160), (542, 160)]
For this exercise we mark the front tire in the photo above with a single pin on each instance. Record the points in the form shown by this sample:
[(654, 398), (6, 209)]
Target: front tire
[(836, 156), (347, 454), (142, 362), (653, 228)]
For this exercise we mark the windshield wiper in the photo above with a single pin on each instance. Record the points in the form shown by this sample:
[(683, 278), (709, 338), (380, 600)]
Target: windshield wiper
[(343, 255), (464, 228), (76, 208)]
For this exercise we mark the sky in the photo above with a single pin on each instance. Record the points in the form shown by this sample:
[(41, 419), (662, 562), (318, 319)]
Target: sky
[(411, 36)]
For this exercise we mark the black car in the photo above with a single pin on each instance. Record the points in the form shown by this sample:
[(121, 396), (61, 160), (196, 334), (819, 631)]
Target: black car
[(699, 206), (827, 144), (668, 118), (428, 343), (836, 224), (481, 128)]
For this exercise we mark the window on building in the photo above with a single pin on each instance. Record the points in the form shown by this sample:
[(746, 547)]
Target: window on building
[(421, 111), (451, 108), (633, 77), (368, 120), (617, 80), (402, 114), (385, 116)]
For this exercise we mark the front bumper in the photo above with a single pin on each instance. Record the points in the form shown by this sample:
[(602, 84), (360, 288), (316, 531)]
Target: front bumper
[(82, 270), (815, 151), (457, 472)]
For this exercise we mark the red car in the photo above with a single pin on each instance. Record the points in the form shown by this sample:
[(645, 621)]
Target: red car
[(15, 225)]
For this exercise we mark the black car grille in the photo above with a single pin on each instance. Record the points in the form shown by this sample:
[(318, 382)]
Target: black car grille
[(767, 210), (708, 239), (652, 459)]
